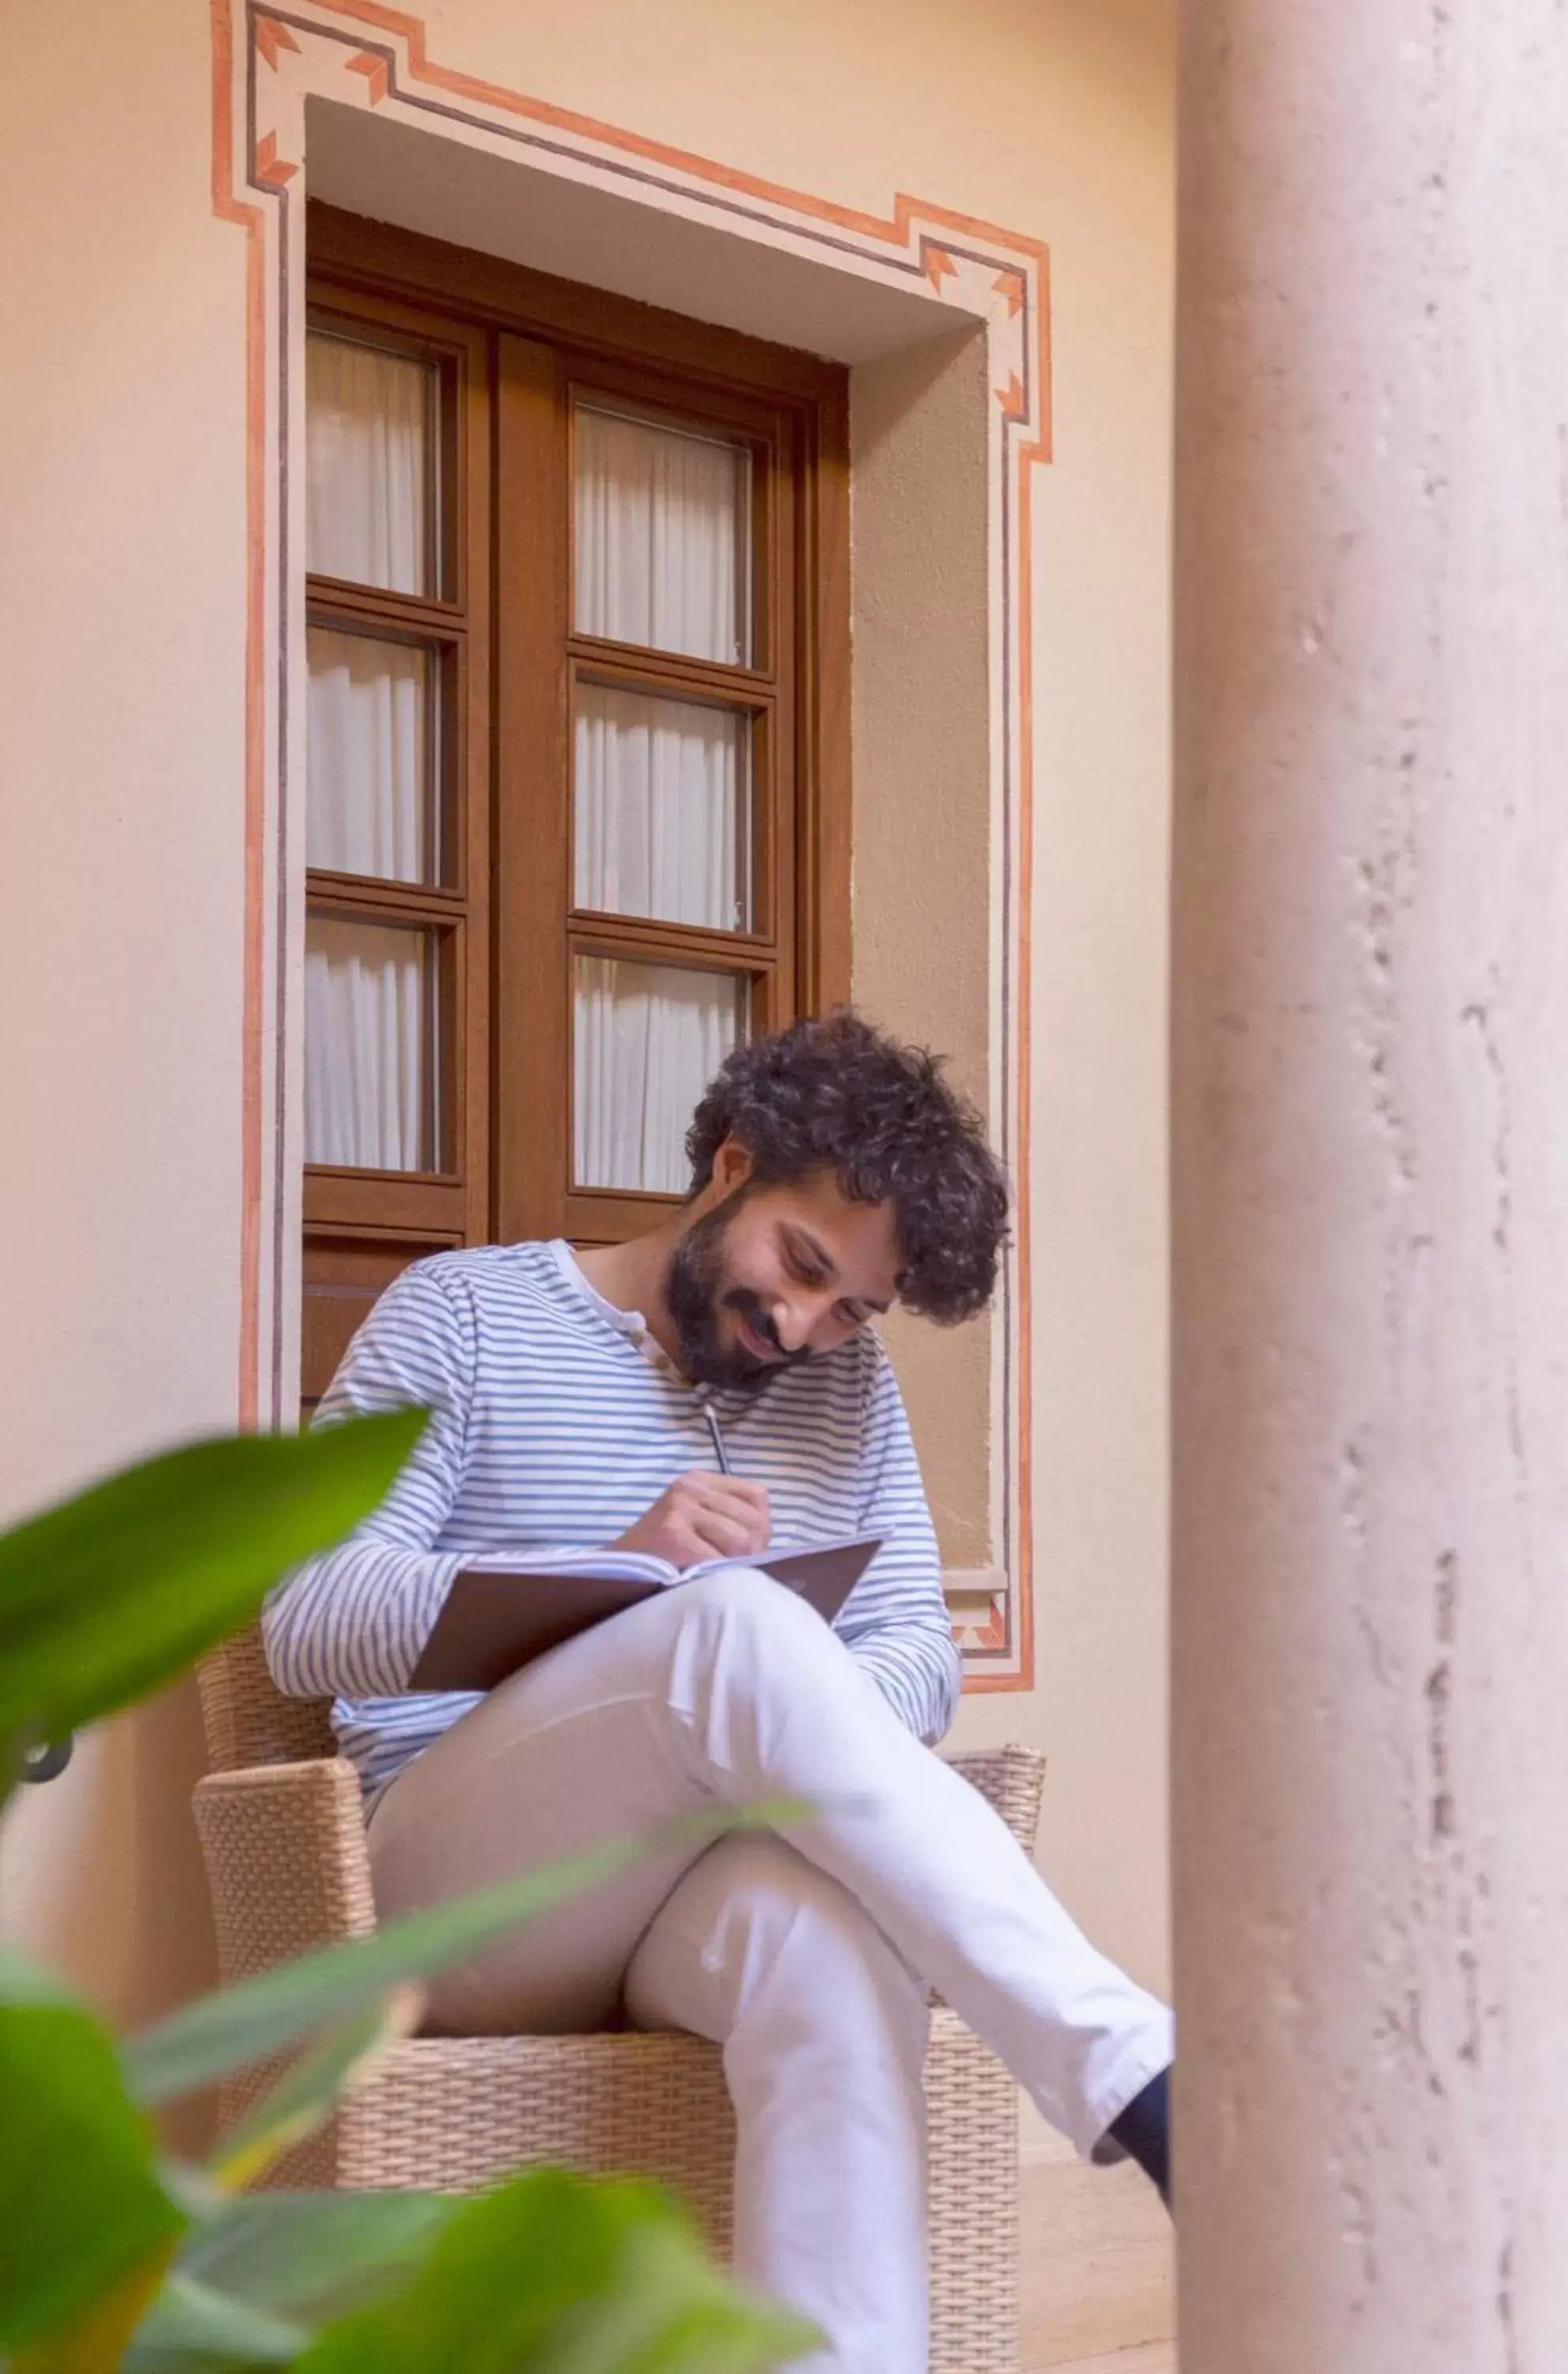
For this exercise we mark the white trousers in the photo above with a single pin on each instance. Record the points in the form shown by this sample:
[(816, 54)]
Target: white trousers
[(807, 1956)]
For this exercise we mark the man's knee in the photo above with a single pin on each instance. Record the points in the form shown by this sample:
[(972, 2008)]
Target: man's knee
[(774, 1918), (741, 1609), (756, 1942)]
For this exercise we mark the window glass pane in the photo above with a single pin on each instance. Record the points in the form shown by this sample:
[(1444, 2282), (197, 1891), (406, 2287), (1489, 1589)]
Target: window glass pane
[(371, 465), (648, 1040), (664, 538), (373, 799), (371, 1079), (662, 808)]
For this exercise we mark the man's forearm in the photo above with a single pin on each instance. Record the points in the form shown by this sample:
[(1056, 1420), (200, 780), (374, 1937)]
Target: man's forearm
[(918, 1670), (353, 1623)]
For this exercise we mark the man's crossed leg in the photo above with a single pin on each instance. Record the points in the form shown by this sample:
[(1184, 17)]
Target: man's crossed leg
[(807, 1956)]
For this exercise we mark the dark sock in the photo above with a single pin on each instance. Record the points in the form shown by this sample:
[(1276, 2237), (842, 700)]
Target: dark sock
[(1143, 2131)]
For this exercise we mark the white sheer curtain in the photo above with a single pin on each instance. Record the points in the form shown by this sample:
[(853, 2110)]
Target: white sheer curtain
[(370, 1085), (370, 1076), (662, 808), (368, 752), (662, 787), (368, 464), (649, 1038), (663, 538)]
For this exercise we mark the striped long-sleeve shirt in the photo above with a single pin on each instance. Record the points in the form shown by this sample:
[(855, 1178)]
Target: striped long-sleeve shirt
[(556, 1424)]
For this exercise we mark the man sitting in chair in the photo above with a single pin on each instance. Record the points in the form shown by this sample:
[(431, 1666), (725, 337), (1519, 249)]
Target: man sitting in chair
[(588, 1400)]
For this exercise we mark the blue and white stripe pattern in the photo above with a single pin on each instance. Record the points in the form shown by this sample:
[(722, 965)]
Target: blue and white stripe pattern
[(557, 1422)]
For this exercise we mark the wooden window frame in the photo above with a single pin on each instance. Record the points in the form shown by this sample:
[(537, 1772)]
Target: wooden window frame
[(518, 349), (540, 389), (363, 257)]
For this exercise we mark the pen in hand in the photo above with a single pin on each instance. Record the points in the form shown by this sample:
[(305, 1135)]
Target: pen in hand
[(702, 1517), (727, 1470)]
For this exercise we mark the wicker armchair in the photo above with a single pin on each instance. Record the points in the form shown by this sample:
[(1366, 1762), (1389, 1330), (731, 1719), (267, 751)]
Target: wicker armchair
[(283, 1833)]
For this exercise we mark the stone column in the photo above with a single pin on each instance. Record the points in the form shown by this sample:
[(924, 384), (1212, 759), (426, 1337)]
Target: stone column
[(1371, 984)]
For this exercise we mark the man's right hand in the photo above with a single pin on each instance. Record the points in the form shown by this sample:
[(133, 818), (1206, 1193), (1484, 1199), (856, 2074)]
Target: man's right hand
[(700, 1517)]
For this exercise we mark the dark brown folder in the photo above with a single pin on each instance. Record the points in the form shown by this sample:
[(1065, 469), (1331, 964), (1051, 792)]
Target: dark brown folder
[(493, 1624)]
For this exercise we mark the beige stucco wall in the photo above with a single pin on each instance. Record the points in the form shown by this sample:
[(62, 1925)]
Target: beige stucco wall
[(922, 869), (122, 494), (121, 512)]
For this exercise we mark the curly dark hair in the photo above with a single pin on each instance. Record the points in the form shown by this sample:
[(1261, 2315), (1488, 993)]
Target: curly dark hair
[(834, 1094)]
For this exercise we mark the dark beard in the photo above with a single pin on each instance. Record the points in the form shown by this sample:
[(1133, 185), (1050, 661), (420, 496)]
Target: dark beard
[(694, 1299)]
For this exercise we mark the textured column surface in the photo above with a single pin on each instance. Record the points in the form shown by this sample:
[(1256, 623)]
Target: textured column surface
[(1372, 1187)]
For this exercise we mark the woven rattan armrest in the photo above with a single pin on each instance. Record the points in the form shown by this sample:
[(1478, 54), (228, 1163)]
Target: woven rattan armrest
[(286, 1861), (1013, 1782)]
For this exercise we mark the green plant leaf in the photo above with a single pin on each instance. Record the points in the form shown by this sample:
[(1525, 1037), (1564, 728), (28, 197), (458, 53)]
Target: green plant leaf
[(314, 2255), (264, 2015), (189, 2326), (110, 1594), (23, 1980), (558, 2275), (305, 2094), (81, 2206)]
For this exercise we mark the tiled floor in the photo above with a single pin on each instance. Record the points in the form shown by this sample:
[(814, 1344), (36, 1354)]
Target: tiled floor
[(1098, 2271)]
